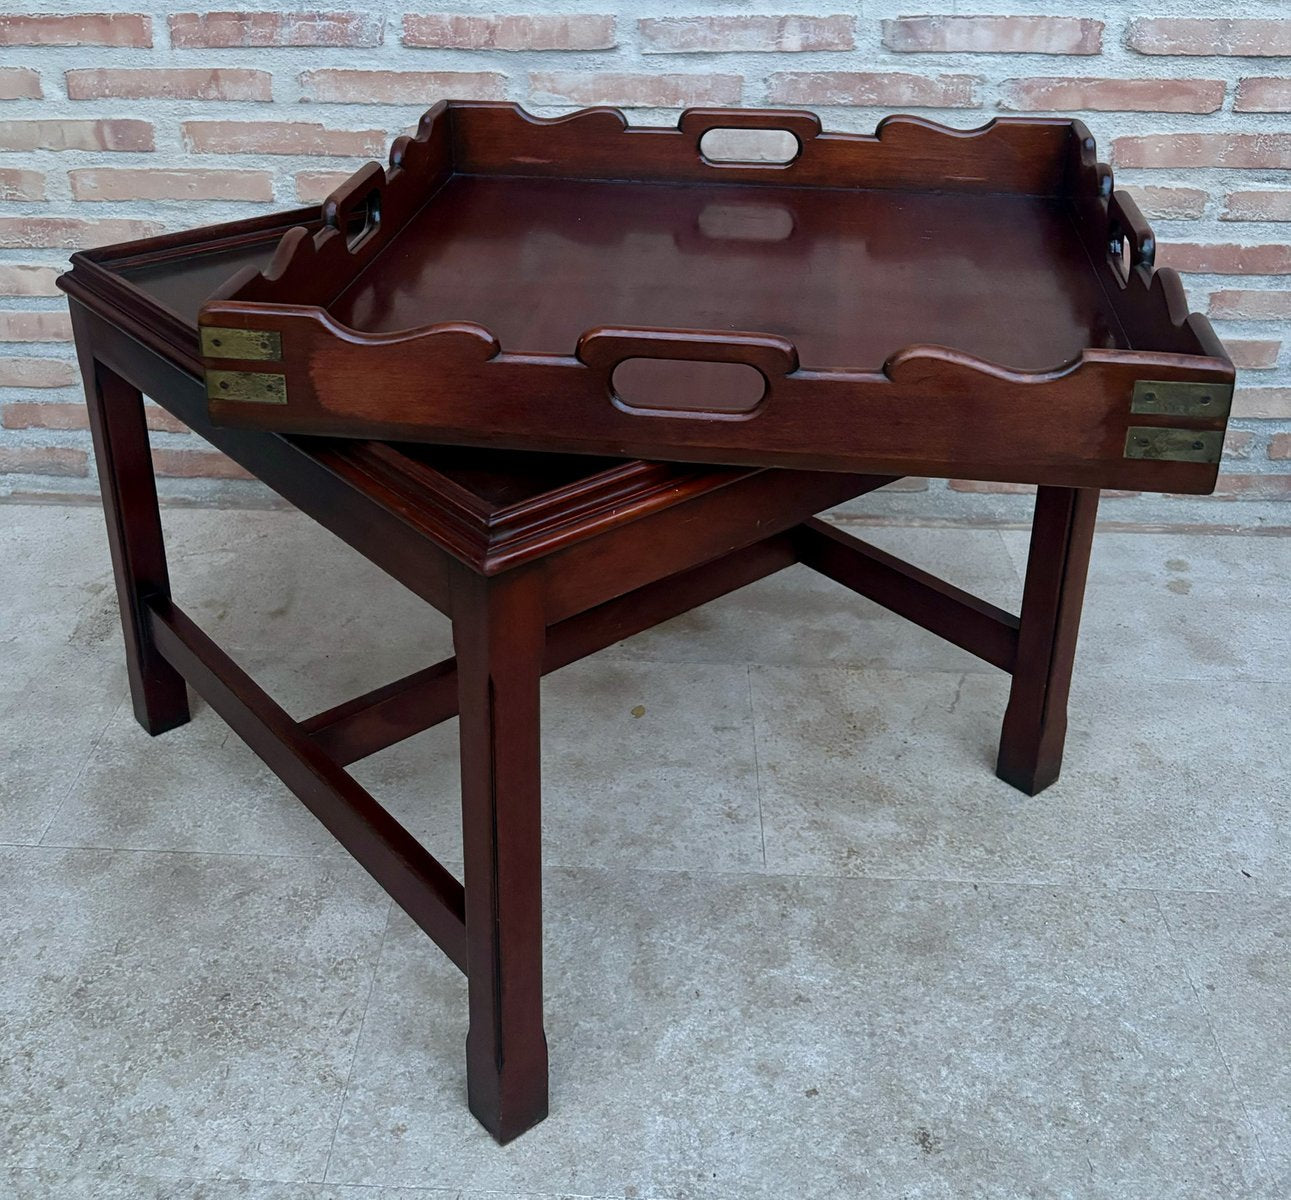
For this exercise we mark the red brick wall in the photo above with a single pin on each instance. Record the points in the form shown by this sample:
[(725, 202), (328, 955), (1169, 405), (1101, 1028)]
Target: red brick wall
[(115, 124)]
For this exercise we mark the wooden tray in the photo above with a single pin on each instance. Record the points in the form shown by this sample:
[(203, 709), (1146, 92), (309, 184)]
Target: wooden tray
[(922, 301)]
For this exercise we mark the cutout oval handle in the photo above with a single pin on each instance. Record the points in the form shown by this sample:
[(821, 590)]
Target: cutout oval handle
[(687, 387), (355, 207), (739, 129), (725, 145), (604, 347), (1129, 236), (685, 383), (363, 220)]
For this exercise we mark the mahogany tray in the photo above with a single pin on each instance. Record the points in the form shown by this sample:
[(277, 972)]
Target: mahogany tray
[(920, 301)]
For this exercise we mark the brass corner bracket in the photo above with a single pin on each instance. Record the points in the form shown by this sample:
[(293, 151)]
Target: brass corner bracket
[(248, 387), (249, 345), (1174, 445), (1170, 398)]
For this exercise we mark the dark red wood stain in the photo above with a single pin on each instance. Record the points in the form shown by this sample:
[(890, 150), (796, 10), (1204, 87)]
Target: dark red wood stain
[(541, 559)]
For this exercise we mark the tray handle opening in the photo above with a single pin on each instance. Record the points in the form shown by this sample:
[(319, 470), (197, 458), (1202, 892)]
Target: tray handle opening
[(725, 146), (363, 220), (680, 373), (772, 139), (354, 209), (1130, 240)]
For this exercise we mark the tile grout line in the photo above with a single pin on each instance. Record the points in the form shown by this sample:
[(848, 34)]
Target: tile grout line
[(954, 881), (358, 1041), (951, 881), (430, 1193), (986, 671), (757, 769), (1021, 525), (330, 856), (1260, 1154), (83, 769), (622, 655)]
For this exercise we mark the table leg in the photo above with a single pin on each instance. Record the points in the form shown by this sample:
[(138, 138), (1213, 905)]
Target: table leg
[(129, 491), (498, 634), (1035, 723)]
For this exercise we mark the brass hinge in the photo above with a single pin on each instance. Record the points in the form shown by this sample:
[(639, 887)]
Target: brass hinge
[(250, 345), (1174, 445), (249, 387), (1173, 399)]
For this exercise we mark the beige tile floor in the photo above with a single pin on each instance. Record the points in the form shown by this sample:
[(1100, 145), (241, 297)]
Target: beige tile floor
[(801, 942)]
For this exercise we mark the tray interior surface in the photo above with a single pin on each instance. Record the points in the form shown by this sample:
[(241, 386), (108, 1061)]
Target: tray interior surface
[(184, 282), (849, 276)]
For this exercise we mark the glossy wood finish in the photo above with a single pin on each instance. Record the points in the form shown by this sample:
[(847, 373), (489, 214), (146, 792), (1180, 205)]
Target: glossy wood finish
[(122, 452), (1035, 723), (850, 279), (538, 560), (498, 633), (920, 301)]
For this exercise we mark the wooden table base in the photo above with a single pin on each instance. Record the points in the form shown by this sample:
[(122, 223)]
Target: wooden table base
[(506, 637)]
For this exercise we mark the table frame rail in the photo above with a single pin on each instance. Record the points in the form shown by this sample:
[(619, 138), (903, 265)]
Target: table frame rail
[(389, 714)]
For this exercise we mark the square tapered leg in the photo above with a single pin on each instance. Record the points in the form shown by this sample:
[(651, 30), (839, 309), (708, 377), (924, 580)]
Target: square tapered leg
[(134, 535), (499, 634), (1035, 722)]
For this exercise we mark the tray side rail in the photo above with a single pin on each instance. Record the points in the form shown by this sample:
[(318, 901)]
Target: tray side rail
[(1148, 301), (359, 220), (1024, 155), (929, 410)]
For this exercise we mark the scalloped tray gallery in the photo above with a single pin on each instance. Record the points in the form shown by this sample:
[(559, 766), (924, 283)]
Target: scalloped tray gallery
[(922, 301)]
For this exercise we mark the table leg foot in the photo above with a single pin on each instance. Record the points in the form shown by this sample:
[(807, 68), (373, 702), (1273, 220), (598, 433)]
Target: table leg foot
[(507, 1102), (1032, 777), (1035, 722), (499, 634)]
